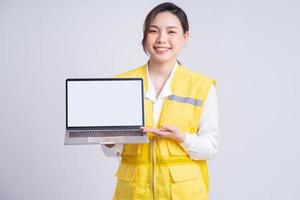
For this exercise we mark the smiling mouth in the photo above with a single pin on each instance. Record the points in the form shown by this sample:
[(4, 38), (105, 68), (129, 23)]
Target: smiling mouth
[(162, 49)]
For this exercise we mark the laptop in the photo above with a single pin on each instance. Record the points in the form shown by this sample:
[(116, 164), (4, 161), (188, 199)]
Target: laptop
[(104, 111)]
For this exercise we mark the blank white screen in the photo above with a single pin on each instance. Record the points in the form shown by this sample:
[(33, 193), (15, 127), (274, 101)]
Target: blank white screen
[(104, 103)]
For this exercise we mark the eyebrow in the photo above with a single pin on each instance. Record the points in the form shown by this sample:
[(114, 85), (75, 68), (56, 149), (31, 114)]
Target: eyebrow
[(168, 27)]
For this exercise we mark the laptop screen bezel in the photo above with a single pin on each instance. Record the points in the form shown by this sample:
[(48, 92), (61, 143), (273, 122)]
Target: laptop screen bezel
[(104, 127)]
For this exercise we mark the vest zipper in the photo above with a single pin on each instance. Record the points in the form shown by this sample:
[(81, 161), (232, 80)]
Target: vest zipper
[(153, 197)]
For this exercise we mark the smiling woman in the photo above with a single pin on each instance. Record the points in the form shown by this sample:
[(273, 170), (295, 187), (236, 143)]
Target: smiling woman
[(181, 118), (164, 39)]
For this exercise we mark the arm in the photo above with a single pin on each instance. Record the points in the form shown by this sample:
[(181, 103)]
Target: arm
[(200, 146), (204, 144), (112, 150)]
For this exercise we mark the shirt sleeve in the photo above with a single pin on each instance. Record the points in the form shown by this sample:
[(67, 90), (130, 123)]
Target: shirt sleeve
[(204, 144), (114, 151)]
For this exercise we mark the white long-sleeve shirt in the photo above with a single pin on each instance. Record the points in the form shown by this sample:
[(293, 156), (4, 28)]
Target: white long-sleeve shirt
[(200, 146)]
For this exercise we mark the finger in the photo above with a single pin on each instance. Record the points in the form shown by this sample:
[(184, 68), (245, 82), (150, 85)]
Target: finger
[(170, 127), (164, 134), (158, 132), (161, 132), (145, 129)]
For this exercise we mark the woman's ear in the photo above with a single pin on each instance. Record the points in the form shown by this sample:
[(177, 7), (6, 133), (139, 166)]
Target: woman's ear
[(186, 37)]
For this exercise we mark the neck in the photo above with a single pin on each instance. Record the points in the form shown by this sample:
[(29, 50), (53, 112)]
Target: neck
[(161, 69)]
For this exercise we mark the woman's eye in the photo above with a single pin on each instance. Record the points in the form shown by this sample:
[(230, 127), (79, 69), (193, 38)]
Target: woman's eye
[(172, 32), (152, 31)]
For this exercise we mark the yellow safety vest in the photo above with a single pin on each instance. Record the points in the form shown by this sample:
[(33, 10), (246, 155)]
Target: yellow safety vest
[(162, 169)]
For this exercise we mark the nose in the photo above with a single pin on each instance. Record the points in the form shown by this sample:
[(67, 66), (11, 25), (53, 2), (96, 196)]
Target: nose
[(161, 38)]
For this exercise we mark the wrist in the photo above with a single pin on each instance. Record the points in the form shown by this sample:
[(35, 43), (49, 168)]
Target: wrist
[(181, 137)]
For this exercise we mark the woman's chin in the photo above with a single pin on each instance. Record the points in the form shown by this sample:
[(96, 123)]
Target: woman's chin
[(162, 59)]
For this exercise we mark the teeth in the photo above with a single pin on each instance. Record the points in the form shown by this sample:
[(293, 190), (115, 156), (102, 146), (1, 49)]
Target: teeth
[(161, 48)]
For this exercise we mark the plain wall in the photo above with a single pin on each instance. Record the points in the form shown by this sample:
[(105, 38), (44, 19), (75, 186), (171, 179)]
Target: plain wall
[(250, 47)]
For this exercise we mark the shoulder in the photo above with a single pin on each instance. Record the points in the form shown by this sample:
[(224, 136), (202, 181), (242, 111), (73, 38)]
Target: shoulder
[(136, 72), (195, 76)]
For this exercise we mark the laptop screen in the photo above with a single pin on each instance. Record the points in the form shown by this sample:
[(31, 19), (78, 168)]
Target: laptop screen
[(116, 102)]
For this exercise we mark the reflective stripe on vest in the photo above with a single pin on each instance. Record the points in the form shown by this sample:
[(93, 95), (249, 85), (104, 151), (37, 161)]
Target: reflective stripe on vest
[(195, 102)]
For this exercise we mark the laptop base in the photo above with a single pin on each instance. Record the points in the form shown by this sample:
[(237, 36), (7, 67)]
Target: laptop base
[(105, 140)]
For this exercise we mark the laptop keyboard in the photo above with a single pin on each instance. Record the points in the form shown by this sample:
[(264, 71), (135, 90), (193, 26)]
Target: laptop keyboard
[(105, 133)]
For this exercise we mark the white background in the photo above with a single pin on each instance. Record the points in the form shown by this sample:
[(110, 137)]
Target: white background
[(250, 47)]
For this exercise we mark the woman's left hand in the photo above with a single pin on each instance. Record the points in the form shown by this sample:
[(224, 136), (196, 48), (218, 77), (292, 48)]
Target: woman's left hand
[(167, 131)]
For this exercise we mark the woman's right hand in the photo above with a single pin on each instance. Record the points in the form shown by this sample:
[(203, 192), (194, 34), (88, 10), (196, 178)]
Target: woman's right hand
[(109, 145)]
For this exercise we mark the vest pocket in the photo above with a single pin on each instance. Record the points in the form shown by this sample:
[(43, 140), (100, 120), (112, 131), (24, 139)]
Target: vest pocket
[(187, 183), (126, 172), (125, 184)]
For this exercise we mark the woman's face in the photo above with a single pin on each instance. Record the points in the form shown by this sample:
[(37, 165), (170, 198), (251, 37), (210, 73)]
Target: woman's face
[(165, 38)]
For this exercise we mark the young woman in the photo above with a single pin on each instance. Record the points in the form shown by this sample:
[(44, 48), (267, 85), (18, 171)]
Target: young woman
[(181, 119)]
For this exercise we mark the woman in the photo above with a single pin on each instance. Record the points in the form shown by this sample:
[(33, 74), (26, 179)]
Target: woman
[(181, 119)]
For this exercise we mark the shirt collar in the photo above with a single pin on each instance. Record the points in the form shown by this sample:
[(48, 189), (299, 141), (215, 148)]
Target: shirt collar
[(166, 90)]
